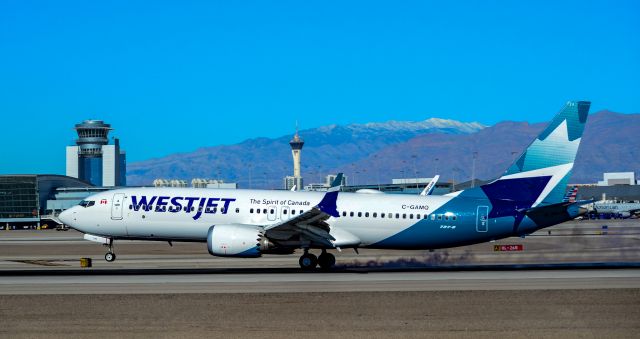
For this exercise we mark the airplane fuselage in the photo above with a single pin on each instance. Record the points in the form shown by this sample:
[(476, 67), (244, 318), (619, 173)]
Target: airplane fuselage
[(378, 221)]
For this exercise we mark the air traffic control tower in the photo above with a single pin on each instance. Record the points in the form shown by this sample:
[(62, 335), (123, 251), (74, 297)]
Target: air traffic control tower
[(93, 159), (296, 148)]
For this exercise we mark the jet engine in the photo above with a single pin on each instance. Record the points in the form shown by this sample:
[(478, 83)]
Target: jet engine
[(244, 241)]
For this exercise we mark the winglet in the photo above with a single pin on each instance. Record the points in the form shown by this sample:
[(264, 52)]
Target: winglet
[(429, 189), (328, 202)]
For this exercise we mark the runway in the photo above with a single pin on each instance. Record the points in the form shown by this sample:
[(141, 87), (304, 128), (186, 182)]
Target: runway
[(577, 242), (574, 281), (116, 282)]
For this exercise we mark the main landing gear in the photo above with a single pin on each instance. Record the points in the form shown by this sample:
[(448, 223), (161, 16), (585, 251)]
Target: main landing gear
[(308, 261), (110, 256)]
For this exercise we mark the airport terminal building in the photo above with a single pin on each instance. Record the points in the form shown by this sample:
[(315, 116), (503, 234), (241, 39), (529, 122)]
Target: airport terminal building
[(30, 200)]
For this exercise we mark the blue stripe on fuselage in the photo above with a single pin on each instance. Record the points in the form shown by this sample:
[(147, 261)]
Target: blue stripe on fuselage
[(507, 200)]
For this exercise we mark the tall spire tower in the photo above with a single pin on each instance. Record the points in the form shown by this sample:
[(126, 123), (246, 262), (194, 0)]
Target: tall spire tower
[(296, 148)]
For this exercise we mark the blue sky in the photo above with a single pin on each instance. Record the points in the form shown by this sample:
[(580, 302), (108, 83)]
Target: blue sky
[(175, 76)]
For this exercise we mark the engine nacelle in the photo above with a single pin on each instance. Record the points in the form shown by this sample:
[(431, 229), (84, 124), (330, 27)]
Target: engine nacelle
[(243, 241)]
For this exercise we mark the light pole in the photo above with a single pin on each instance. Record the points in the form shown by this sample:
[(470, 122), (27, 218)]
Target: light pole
[(473, 170), (266, 183), (375, 160), (415, 173), (404, 166), (455, 169), (353, 171)]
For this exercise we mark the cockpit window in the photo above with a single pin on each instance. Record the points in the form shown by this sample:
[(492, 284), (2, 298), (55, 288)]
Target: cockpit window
[(87, 203)]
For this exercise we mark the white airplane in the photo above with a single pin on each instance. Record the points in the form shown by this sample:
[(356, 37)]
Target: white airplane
[(622, 209), (249, 223)]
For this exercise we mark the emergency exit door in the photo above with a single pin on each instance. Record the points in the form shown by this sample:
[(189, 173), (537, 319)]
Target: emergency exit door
[(116, 206), (482, 219)]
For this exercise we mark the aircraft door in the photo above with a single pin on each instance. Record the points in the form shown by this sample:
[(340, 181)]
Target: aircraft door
[(116, 206), (482, 219), (284, 213), (272, 213)]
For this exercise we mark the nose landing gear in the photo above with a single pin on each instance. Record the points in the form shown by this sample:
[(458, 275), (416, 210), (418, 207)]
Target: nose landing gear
[(110, 256)]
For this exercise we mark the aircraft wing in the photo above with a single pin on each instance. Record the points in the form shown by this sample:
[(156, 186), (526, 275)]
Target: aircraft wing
[(310, 225)]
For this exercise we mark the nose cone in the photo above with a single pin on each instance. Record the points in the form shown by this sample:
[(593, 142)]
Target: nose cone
[(66, 216)]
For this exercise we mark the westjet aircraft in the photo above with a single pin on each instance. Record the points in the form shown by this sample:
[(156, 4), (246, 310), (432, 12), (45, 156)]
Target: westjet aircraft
[(249, 223)]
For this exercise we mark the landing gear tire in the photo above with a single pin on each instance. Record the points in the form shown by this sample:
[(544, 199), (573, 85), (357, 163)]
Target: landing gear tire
[(308, 261), (110, 257), (326, 261)]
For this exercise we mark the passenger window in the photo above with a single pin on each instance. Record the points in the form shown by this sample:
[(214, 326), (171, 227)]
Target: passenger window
[(439, 216), (433, 217), (366, 214), (271, 211), (446, 217), (222, 210), (359, 214), (381, 215), (375, 214), (350, 214), (258, 210), (237, 210), (284, 211), (264, 211), (454, 217), (390, 215), (301, 211), (344, 214), (251, 210), (397, 215), (130, 207), (411, 216), (293, 212)]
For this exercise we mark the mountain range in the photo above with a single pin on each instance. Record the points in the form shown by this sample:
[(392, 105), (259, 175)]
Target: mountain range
[(378, 151)]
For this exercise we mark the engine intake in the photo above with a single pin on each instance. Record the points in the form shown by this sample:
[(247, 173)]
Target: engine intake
[(243, 241)]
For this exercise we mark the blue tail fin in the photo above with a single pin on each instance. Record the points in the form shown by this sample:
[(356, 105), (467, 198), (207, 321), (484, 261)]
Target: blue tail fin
[(541, 173)]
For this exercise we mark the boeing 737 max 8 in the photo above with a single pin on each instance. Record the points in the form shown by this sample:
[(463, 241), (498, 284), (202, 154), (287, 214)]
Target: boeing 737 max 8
[(249, 223)]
